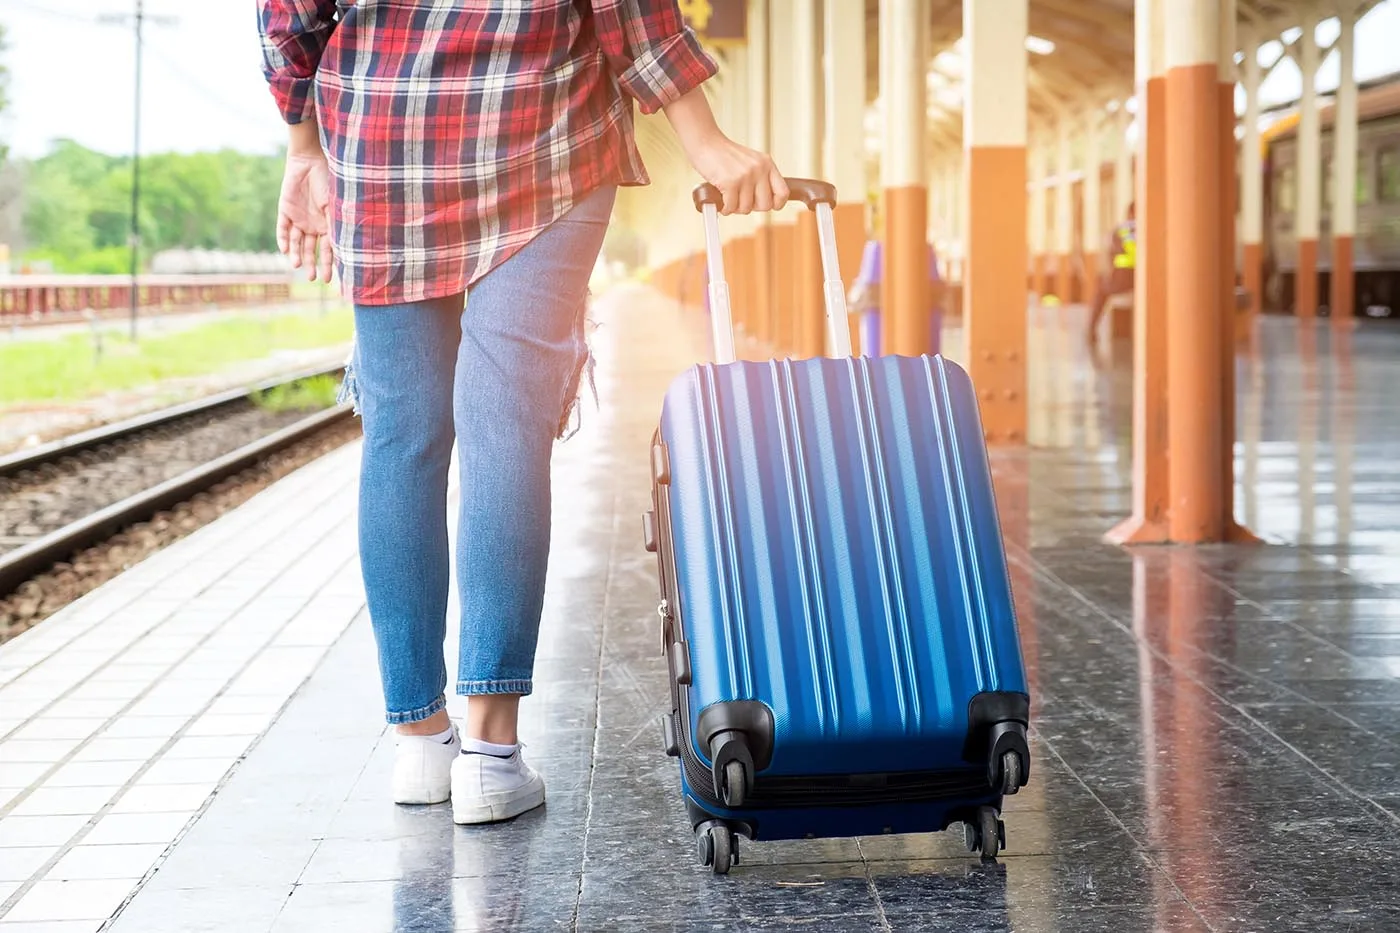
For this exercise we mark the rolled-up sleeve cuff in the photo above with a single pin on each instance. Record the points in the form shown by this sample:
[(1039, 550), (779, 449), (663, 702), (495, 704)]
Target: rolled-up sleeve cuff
[(668, 71), (295, 97)]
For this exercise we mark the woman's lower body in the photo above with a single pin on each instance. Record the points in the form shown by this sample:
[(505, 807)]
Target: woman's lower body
[(499, 371)]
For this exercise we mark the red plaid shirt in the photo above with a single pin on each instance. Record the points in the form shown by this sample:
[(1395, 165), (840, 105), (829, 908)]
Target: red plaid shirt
[(457, 130)]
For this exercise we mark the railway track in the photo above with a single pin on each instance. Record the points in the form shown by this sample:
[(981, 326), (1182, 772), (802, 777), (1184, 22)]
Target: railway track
[(61, 498)]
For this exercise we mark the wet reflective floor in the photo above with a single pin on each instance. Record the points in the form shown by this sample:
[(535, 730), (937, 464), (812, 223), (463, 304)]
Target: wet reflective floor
[(1216, 730)]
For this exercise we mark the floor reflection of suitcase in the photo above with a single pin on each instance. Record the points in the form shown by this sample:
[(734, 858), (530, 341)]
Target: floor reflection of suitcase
[(836, 608)]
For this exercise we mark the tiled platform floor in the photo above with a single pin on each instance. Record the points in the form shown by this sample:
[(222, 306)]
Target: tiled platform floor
[(1217, 730)]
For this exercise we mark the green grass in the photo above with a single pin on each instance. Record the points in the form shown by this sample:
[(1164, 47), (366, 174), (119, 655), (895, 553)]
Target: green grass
[(306, 395), (67, 368)]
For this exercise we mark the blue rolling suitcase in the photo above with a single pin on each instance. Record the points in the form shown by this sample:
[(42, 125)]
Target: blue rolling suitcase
[(836, 609)]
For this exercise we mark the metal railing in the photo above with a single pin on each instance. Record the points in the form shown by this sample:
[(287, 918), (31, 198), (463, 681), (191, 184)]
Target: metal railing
[(42, 299)]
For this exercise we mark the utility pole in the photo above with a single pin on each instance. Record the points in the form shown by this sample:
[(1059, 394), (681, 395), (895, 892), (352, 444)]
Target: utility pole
[(138, 20)]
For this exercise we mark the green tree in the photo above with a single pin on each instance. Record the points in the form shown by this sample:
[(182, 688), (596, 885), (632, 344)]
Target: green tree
[(78, 204)]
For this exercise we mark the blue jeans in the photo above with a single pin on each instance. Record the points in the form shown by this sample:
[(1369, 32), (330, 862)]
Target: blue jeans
[(502, 377)]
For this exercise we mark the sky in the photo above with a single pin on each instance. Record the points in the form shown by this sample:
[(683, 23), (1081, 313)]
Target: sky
[(72, 76)]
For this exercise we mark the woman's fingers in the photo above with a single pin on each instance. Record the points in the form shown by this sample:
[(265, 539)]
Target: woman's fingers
[(294, 246), (308, 254), (326, 256), (284, 230)]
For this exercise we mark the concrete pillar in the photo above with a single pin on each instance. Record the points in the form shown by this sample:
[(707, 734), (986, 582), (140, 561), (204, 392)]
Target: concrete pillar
[(1309, 175), (953, 253), (759, 317), (1092, 245), (1227, 315), (782, 140), (1343, 297), (1121, 319), (1252, 181), (1148, 523), (809, 321), (844, 149), (1064, 208), (994, 137), (1123, 166), (1193, 265), (1035, 208), (738, 240), (905, 313)]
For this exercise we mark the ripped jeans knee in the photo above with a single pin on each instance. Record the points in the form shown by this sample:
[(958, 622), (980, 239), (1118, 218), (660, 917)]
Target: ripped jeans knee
[(570, 418), (349, 390)]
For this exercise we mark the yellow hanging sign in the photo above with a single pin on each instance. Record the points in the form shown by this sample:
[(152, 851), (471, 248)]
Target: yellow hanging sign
[(717, 21)]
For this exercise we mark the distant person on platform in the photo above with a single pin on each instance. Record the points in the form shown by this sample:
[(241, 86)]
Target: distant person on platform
[(1122, 246), (868, 299)]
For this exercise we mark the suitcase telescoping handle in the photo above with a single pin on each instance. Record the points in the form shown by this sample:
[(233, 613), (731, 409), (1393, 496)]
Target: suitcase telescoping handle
[(820, 196)]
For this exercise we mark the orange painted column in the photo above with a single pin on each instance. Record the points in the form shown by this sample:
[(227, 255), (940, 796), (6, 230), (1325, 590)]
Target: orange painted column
[(784, 142), (804, 161), (781, 282), (1148, 522), (1305, 280), (905, 301), (1253, 275), (843, 151), (739, 268), (758, 136), (1037, 223), (1343, 297), (761, 318), (994, 137), (1093, 270), (1344, 131), (1229, 316), (1251, 184), (1063, 245), (809, 319), (904, 306), (734, 276), (1091, 207), (1193, 271), (1309, 175)]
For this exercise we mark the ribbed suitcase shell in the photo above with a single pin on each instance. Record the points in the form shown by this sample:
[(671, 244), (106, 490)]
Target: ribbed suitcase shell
[(838, 557)]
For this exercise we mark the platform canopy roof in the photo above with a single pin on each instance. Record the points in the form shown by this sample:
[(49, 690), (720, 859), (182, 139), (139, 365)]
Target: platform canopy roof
[(1080, 52)]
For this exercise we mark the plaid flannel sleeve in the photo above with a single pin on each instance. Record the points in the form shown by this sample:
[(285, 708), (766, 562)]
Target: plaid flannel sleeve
[(653, 53), (293, 34)]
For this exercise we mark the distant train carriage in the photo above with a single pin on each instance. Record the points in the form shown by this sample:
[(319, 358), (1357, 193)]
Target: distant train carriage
[(1376, 246)]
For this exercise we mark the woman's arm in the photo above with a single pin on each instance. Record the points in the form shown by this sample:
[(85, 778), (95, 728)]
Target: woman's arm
[(294, 33), (660, 64)]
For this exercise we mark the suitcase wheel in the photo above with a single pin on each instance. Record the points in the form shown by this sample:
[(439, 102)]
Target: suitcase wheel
[(734, 784), (987, 835), (1010, 773), (716, 846)]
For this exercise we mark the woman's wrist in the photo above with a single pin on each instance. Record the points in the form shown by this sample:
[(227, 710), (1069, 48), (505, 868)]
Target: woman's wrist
[(304, 138)]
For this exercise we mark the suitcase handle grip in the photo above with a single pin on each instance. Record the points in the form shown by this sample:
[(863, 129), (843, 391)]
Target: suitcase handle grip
[(820, 196), (809, 191)]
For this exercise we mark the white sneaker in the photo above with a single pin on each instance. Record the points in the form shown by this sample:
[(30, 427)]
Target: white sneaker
[(487, 788), (423, 767)]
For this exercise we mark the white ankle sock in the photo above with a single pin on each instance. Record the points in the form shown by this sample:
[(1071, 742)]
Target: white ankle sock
[(470, 744)]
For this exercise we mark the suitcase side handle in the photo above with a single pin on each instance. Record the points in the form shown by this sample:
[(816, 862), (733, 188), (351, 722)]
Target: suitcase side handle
[(820, 196)]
